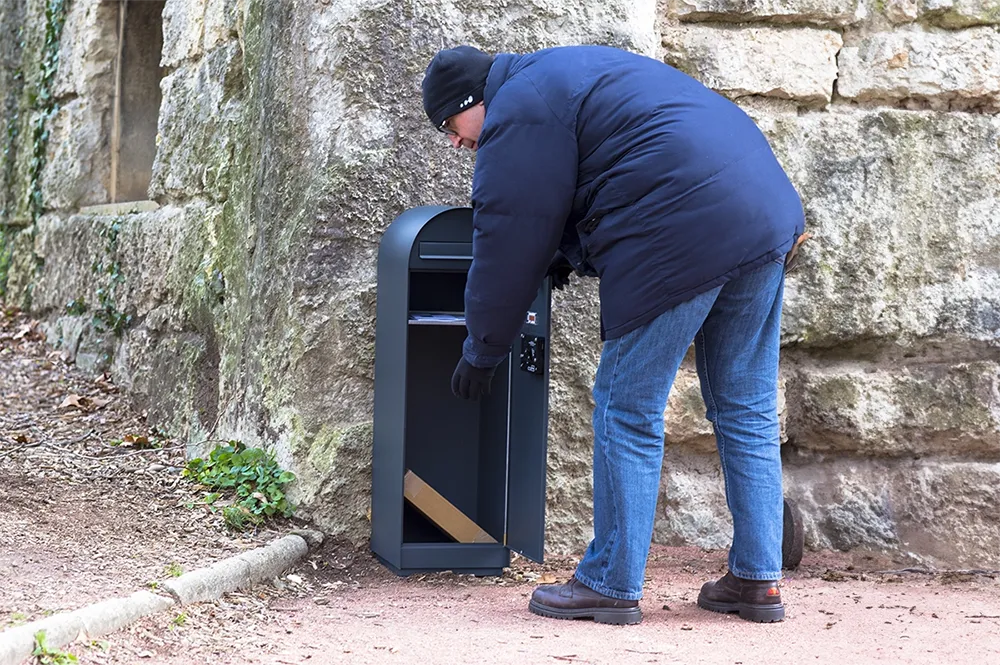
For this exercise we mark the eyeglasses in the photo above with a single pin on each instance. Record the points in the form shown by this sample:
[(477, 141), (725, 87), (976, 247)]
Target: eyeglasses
[(445, 129)]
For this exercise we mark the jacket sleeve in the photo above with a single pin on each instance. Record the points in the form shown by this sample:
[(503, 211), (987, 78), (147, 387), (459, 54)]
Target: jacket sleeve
[(522, 194)]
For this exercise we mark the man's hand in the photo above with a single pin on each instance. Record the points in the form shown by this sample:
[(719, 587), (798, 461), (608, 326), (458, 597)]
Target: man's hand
[(559, 270), (470, 382), (560, 277)]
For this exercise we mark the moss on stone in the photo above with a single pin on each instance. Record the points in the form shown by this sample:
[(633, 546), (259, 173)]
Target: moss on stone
[(28, 106), (5, 256), (956, 19), (13, 83), (837, 393), (320, 451), (957, 398)]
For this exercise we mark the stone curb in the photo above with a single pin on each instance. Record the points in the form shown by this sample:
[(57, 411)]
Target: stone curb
[(238, 572), (232, 574)]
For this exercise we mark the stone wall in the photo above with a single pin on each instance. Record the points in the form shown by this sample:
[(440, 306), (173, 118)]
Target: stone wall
[(291, 133), (883, 115)]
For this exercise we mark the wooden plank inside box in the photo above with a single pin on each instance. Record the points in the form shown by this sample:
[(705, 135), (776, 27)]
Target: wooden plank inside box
[(439, 510)]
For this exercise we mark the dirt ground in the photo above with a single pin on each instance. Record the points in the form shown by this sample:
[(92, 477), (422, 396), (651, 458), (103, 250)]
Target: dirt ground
[(90, 512)]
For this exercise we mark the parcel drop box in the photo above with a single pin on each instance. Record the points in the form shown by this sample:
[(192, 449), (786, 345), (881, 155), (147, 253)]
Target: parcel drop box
[(456, 484)]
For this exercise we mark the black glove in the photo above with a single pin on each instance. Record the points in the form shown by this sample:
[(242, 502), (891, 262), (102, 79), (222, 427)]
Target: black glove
[(560, 277), (470, 382), (559, 270)]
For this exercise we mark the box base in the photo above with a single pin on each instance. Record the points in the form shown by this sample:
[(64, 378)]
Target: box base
[(406, 572)]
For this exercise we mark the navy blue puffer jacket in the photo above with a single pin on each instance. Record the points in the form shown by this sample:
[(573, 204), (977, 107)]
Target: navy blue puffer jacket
[(637, 172)]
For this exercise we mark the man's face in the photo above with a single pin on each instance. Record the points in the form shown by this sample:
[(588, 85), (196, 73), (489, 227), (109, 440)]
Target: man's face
[(463, 129)]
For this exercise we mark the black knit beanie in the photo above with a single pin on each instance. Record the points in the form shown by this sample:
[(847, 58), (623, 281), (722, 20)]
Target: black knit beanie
[(454, 81)]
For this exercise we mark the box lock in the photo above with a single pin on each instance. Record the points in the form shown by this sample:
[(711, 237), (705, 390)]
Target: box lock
[(533, 353)]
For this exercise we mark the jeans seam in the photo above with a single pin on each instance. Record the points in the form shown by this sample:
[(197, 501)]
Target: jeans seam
[(718, 429), (607, 464)]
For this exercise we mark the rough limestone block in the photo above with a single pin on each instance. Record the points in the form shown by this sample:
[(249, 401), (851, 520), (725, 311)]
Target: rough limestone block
[(221, 21), (898, 410), (334, 478), (905, 208), (333, 104), (940, 69), (166, 357), (183, 31), (962, 13), (21, 270), (87, 51), (945, 13), (685, 423), (153, 255), (792, 63), (692, 504), (947, 512), (534, 24), (78, 162), (928, 513), (816, 12), (902, 11), (573, 356), (200, 110), (939, 514)]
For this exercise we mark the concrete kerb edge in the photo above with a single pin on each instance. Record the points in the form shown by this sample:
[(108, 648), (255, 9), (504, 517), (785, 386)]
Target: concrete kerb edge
[(239, 572)]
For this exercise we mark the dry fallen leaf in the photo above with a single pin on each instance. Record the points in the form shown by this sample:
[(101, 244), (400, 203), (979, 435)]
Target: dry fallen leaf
[(84, 403), (75, 401), (547, 578), (133, 441), (20, 334), (21, 438)]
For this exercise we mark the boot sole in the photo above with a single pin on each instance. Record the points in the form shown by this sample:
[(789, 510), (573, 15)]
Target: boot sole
[(748, 612), (612, 615)]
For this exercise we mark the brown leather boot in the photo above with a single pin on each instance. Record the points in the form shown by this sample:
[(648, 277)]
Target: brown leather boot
[(574, 600), (755, 600)]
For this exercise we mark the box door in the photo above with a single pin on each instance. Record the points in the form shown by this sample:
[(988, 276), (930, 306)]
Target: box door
[(527, 429)]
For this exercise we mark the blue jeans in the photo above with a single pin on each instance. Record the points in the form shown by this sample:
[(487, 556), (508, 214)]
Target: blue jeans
[(736, 331)]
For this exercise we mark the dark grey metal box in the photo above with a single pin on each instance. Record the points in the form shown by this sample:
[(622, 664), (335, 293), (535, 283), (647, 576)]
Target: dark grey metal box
[(487, 457)]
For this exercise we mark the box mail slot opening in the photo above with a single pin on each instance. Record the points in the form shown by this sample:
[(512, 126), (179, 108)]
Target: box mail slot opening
[(458, 447), (437, 292), (445, 250)]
